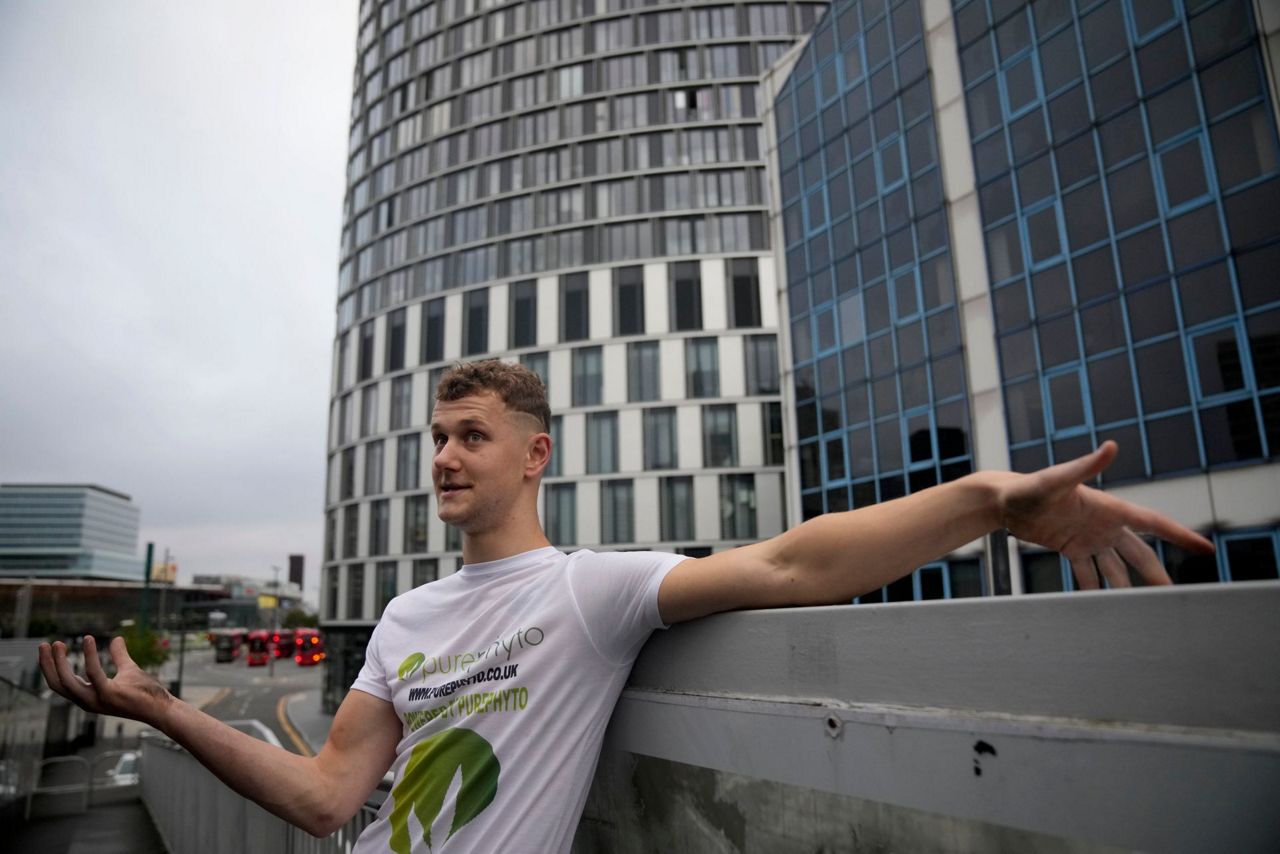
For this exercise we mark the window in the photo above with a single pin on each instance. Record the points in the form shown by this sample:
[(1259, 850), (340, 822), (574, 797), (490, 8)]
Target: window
[(433, 330), (772, 415), (659, 429), (401, 402), (425, 570), (395, 339), (561, 513), (344, 419), (574, 307), (331, 593), (686, 296), (379, 525), (452, 539), (628, 301), (737, 506), (675, 506), (523, 314), (344, 347), (355, 591), (587, 376), (702, 371), (364, 356), (386, 584), (373, 468), (557, 452), (415, 525), (761, 354), (407, 462), (475, 322), (330, 535), (744, 293), (719, 436), (347, 474), (643, 376), (350, 530), (617, 512), (537, 362), (369, 411), (602, 442)]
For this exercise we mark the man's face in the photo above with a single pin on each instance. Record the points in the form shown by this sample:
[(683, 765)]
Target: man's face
[(481, 453)]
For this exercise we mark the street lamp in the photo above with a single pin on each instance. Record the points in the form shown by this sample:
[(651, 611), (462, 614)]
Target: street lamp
[(275, 623)]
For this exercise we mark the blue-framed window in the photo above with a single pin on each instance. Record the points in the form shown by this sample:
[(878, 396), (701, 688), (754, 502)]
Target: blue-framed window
[(958, 578)]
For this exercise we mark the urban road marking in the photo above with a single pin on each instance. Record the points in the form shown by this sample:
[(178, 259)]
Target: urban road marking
[(215, 699), (288, 727)]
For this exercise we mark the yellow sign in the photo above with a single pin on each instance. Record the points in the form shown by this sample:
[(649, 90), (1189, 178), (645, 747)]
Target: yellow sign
[(266, 603), (164, 573)]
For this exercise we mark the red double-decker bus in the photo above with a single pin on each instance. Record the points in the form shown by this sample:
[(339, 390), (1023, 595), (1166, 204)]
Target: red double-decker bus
[(308, 647), (283, 642), (259, 648)]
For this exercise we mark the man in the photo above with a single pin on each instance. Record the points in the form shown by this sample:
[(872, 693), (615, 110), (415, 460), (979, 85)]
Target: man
[(487, 693)]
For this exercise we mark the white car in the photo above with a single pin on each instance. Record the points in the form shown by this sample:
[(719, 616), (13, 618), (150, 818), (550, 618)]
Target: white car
[(125, 772)]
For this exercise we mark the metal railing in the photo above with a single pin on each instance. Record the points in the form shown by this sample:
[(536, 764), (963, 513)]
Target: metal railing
[(195, 813)]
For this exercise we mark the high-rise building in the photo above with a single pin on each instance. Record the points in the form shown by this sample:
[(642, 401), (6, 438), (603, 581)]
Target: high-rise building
[(580, 186), (297, 570), (50, 530), (1015, 230)]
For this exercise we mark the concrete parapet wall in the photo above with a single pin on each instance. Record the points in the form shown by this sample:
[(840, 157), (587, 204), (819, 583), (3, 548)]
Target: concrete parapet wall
[(1145, 719)]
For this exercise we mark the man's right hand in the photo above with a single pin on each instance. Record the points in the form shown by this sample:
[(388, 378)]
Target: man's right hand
[(133, 693)]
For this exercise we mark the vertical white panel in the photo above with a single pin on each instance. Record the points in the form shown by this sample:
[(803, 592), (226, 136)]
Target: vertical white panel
[(548, 310), (600, 296), (689, 436), (453, 326), (412, 336), (358, 476), (404, 576), (417, 400), (589, 512), (770, 518), (560, 376), (646, 506), (613, 358), (435, 530), (715, 310), (335, 463), (389, 465), (426, 453), (750, 435), (656, 319), (769, 293), (733, 380), (671, 355), (498, 308), (573, 459), (706, 507), (449, 565), (395, 530), (379, 345), (630, 440)]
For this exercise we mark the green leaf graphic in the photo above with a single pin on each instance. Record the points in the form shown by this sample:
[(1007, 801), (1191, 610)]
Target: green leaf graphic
[(410, 665), (426, 779)]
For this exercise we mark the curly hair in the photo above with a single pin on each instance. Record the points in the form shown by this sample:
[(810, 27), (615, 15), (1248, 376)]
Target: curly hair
[(517, 386)]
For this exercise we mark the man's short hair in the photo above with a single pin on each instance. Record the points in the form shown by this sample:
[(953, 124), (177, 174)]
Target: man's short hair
[(517, 386)]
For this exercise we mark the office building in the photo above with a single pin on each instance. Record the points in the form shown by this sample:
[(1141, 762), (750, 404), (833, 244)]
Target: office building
[(68, 531), (1012, 231), (580, 186)]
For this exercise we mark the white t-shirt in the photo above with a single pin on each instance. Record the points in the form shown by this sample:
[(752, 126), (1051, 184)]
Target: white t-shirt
[(504, 676)]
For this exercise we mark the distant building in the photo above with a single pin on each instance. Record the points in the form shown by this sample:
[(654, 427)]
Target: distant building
[(297, 570), (52, 530)]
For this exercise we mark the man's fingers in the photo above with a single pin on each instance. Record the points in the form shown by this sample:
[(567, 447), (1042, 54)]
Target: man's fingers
[(73, 687), (49, 669), (1086, 573), (1112, 568), (1083, 469), (93, 665), (1142, 558), (120, 654)]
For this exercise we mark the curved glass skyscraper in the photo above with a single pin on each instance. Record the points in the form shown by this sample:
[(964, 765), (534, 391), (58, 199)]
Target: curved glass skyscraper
[(580, 186)]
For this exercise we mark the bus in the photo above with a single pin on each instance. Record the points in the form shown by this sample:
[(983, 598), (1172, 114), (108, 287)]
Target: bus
[(308, 647), (259, 648), (226, 644), (283, 642)]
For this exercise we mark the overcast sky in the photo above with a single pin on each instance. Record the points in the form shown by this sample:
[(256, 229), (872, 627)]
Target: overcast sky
[(171, 181)]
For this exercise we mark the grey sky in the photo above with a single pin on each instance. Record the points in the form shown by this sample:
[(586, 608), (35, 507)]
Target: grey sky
[(171, 180)]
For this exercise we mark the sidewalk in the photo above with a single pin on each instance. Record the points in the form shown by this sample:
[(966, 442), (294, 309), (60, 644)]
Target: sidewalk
[(303, 711)]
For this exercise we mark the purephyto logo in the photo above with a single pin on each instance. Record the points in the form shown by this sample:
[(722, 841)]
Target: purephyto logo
[(432, 765)]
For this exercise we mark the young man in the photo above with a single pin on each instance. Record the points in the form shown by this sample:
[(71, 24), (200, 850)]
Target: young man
[(487, 692)]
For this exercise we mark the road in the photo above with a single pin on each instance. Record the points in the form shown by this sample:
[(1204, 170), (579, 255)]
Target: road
[(250, 693)]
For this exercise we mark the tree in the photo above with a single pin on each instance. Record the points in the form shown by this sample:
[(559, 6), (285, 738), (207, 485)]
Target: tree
[(296, 618), (146, 648)]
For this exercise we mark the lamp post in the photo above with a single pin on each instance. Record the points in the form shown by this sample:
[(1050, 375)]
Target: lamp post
[(275, 622)]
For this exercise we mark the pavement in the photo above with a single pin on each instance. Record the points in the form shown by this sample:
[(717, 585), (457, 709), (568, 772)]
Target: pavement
[(304, 714)]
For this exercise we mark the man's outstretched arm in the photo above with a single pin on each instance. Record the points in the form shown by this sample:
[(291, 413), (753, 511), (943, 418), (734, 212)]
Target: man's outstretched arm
[(317, 794), (833, 558)]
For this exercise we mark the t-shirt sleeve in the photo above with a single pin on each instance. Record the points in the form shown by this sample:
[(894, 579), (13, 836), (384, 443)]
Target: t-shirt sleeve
[(617, 595), (373, 675)]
